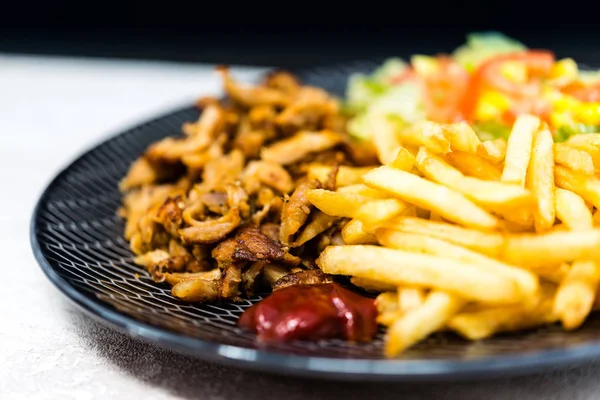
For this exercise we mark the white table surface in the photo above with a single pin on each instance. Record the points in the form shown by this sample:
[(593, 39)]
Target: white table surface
[(50, 111)]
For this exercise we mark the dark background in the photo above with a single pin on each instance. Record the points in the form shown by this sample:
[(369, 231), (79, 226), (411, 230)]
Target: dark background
[(289, 34)]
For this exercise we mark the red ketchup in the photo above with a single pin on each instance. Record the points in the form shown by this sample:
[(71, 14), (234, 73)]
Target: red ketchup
[(312, 312)]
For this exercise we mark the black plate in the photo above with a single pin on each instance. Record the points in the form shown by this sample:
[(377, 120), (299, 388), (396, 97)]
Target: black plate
[(77, 239)]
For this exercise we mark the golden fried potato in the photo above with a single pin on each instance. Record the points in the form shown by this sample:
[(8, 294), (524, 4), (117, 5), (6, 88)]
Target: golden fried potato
[(354, 233), (403, 159), (473, 165), (413, 242), (421, 321), (586, 186), (400, 268), (410, 298), (518, 150), (339, 204), (576, 293), (572, 211), (540, 179), (376, 212), (573, 158), (384, 138), (450, 204), (489, 194), (462, 137), (427, 134), (480, 324), (492, 151), (488, 243)]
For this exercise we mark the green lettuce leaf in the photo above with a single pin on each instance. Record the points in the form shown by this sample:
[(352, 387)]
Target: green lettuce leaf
[(483, 45)]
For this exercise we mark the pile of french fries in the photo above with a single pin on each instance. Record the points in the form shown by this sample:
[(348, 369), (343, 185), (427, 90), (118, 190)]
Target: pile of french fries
[(468, 236)]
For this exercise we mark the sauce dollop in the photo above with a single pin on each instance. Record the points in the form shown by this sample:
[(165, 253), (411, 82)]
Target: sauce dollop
[(312, 312)]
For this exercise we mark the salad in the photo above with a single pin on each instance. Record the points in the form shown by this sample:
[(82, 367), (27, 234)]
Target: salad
[(487, 82)]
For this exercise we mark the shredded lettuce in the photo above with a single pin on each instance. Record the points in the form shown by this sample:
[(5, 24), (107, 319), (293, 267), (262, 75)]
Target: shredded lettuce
[(483, 45), (566, 131), (401, 102), (492, 130), (364, 89)]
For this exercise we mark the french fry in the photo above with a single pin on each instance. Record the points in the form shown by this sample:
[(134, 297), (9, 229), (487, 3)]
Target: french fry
[(338, 204), (345, 176), (540, 179), (571, 157), (387, 301), (473, 165), (575, 295), (490, 194), (523, 249), (553, 274), (596, 217), (376, 212), (412, 242), (487, 243), (363, 190), (451, 205), (480, 324), (519, 220), (403, 159), (588, 142), (462, 137), (518, 150), (400, 268), (372, 286), (409, 298), (427, 134), (387, 308), (422, 212), (433, 216), (588, 187), (384, 139), (553, 248), (353, 233), (572, 211), (422, 321), (492, 151)]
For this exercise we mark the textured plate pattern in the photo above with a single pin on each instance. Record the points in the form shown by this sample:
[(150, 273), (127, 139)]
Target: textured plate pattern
[(77, 238)]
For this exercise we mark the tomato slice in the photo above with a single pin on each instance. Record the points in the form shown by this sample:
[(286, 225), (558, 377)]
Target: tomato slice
[(488, 75), (535, 106), (583, 92), (444, 91)]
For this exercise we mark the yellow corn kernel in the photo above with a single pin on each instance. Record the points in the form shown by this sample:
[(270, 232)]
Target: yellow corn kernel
[(564, 71), (558, 119), (425, 65), (561, 103), (588, 113), (515, 71), (491, 105)]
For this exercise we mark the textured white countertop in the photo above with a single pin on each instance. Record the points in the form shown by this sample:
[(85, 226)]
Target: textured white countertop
[(50, 111)]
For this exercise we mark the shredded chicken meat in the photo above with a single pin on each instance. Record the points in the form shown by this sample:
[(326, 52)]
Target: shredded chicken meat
[(221, 210)]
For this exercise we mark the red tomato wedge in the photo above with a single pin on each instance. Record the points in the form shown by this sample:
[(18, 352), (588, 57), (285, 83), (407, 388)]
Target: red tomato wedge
[(534, 105), (444, 91), (583, 92), (488, 75)]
